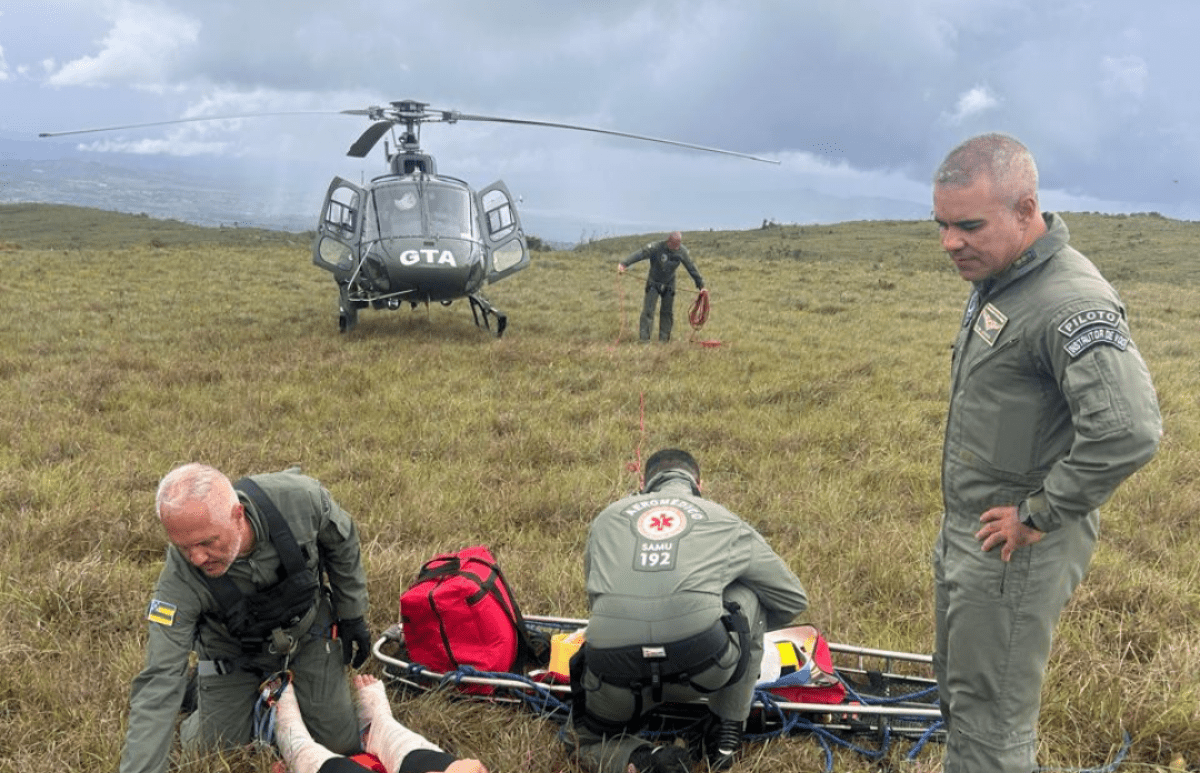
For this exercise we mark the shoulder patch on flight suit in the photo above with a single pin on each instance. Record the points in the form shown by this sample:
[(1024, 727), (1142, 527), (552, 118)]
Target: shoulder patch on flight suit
[(161, 612), (1076, 322), (1086, 329), (1096, 335), (989, 324)]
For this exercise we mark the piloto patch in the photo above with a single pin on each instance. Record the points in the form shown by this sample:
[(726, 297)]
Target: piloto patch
[(1076, 322), (1086, 329), (989, 323), (161, 612)]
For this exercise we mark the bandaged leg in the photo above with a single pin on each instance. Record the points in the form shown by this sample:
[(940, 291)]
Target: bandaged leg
[(300, 752), (387, 739)]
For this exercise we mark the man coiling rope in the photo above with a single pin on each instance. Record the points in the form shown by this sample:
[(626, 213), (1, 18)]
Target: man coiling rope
[(665, 257)]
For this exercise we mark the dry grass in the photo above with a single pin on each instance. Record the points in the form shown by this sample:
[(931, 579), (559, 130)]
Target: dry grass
[(129, 345)]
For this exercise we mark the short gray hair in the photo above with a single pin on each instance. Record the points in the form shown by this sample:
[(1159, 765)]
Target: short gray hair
[(1000, 157), (193, 482)]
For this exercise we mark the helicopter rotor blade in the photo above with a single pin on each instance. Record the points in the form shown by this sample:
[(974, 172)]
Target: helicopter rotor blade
[(181, 120), (452, 116), (413, 113), (362, 146)]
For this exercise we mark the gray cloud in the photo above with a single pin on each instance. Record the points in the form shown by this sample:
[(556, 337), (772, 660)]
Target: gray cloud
[(857, 96)]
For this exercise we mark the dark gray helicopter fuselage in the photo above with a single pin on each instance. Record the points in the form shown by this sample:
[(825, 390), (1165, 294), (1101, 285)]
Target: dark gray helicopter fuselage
[(421, 239), (416, 238)]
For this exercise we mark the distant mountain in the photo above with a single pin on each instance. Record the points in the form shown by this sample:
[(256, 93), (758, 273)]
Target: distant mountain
[(159, 190), (215, 192)]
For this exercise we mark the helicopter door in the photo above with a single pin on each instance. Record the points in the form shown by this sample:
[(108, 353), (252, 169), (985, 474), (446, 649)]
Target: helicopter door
[(340, 227), (501, 227)]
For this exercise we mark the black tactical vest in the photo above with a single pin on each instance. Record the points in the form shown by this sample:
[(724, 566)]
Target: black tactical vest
[(282, 605)]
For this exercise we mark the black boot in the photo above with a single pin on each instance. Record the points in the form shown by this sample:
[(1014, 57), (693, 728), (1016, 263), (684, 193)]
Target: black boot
[(721, 744), (660, 759)]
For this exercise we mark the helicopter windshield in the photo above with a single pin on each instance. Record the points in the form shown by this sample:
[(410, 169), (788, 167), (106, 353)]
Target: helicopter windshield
[(449, 211), (424, 208), (398, 211)]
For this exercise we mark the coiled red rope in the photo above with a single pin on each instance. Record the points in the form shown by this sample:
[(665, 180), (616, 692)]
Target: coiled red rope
[(698, 315)]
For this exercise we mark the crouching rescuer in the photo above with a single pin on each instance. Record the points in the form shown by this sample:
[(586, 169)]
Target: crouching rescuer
[(243, 586), (680, 592)]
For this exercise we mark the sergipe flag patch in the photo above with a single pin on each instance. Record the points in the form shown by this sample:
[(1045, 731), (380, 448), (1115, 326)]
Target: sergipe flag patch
[(161, 612)]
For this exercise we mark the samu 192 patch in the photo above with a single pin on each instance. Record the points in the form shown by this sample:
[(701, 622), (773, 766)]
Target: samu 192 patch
[(658, 529), (161, 612)]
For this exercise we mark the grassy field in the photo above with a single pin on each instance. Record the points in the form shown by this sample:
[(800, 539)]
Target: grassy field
[(129, 345)]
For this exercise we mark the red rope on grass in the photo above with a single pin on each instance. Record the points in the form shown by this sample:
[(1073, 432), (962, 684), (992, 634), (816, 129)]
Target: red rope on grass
[(699, 315), (636, 466)]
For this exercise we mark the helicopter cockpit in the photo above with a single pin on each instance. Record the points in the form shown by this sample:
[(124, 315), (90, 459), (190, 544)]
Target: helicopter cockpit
[(411, 209)]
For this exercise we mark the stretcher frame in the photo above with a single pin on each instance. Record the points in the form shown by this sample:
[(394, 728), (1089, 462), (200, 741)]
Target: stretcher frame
[(892, 716)]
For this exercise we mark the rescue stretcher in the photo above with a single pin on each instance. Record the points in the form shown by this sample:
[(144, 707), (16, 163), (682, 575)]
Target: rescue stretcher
[(886, 694)]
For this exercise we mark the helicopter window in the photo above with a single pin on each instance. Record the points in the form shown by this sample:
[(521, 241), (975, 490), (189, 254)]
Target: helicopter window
[(499, 212), (398, 211), (335, 253), (449, 211), (507, 256), (343, 205)]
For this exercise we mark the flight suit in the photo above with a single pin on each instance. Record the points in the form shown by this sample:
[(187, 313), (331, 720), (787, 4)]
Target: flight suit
[(660, 282), (183, 617), (1051, 408), (660, 568)]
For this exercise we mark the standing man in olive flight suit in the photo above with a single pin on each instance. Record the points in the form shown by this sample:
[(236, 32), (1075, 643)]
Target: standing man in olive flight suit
[(681, 591), (664, 256), (1051, 408), (242, 587)]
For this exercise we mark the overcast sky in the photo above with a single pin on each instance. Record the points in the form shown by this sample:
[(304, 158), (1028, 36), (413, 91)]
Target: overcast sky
[(858, 99)]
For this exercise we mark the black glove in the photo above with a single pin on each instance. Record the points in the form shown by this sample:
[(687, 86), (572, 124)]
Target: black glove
[(354, 632)]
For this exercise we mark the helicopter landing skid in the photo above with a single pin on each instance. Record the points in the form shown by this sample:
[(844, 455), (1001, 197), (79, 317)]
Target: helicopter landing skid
[(347, 309), (482, 310)]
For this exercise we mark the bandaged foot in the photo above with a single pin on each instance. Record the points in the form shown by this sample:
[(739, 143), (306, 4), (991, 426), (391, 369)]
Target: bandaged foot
[(372, 700), (386, 738), (300, 752)]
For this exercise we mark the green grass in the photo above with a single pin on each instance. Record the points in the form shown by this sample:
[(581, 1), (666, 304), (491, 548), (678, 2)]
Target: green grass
[(129, 345)]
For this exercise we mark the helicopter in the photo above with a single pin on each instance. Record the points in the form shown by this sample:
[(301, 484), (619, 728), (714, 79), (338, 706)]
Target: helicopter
[(413, 235)]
